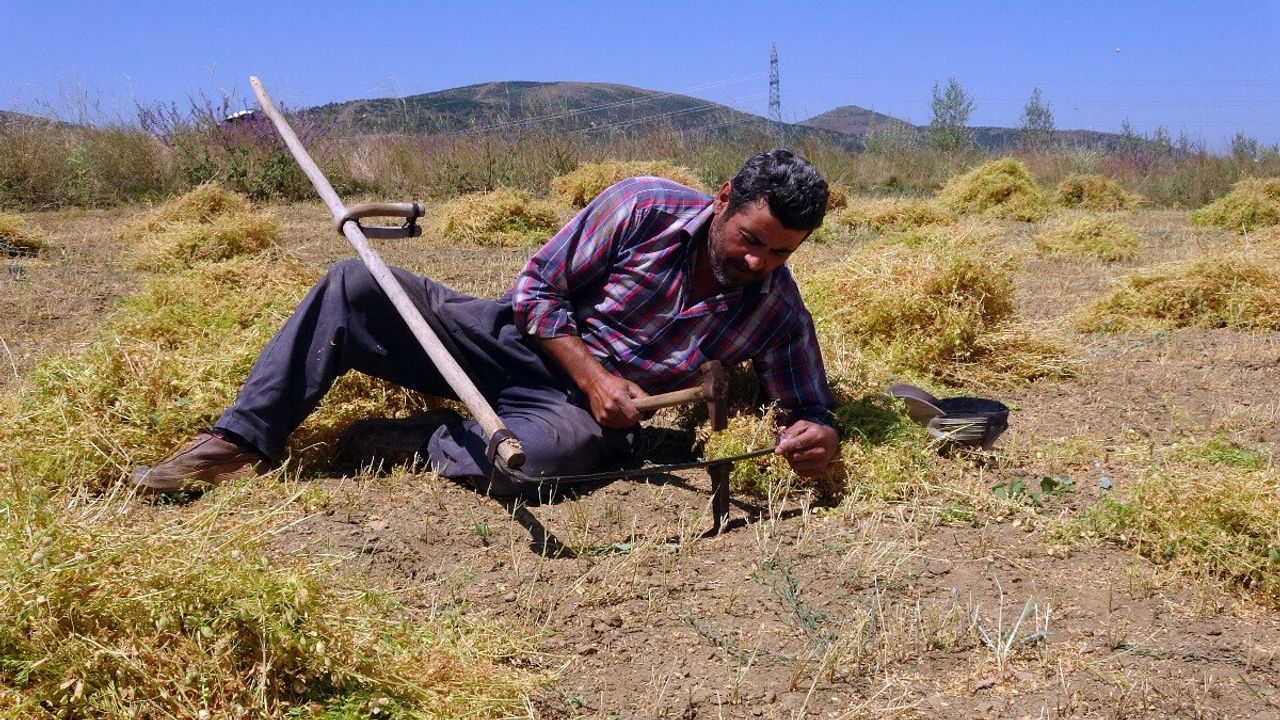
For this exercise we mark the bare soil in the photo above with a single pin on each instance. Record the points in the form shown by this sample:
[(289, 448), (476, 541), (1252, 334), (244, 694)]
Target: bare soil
[(798, 611)]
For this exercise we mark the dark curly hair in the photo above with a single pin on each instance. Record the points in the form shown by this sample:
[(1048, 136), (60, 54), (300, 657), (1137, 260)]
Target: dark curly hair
[(795, 191)]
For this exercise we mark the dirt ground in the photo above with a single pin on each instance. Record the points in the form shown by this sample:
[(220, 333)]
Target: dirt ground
[(878, 610)]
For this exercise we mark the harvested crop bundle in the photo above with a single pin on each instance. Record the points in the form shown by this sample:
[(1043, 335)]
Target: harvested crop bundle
[(1252, 203), (941, 310), (1093, 192), (893, 215), (503, 217), (1229, 290), (579, 187), (1002, 188), (17, 238), (1091, 236), (208, 224)]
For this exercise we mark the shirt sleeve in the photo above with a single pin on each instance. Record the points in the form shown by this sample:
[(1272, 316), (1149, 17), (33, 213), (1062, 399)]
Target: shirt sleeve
[(790, 368), (579, 255)]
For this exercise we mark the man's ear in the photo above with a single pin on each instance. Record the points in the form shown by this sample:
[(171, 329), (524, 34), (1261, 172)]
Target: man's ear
[(722, 199)]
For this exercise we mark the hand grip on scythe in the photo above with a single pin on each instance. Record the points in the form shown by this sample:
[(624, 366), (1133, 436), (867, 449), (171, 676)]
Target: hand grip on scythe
[(508, 448)]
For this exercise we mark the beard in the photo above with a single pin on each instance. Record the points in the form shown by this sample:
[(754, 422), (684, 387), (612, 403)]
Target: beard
[(730, 273)]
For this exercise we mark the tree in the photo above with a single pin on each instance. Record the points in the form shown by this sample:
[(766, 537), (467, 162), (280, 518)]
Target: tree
[(1037, 122), (891, 137), (1130, 141), (949, 128), (1162, 142), (1244, 149)]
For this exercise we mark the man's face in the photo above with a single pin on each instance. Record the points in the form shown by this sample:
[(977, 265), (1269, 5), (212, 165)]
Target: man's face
[(748, 246)]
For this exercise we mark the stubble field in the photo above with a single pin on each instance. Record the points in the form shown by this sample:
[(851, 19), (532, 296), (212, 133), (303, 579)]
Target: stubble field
[(1083, 588)]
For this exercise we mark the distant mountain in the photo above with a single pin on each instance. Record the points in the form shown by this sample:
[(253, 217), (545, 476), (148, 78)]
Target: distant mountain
[(853, 120), (603, 110), (9, 117), (593, 109), (857, 122)]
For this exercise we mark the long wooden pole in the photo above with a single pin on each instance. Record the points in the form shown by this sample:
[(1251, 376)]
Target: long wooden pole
[(508, 449)]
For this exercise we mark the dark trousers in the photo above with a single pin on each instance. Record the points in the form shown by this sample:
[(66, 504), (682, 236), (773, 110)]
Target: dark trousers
[(347, 323)]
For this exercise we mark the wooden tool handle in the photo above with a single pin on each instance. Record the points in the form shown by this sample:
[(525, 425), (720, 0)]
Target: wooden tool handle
[(509, 449), (679, 397)]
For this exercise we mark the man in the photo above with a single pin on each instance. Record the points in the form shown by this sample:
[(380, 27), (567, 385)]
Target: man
[(647, 283)]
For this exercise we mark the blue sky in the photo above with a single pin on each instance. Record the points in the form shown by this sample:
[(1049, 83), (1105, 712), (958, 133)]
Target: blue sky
[(1207, 68)]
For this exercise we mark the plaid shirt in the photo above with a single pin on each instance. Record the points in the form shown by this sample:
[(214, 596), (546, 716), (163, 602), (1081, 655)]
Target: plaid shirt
[(618, 276)]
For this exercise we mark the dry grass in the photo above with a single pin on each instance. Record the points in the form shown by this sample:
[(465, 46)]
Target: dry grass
[(1091, 236), (1093, 192), (1235, 289), (893, 215), (208, 224), (504, 217), (18, 238), (1003, 188), (1252, 203), (940, 310), (579, 187)]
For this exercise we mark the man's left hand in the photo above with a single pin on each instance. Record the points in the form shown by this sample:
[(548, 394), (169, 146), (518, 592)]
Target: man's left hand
[(808, 446)]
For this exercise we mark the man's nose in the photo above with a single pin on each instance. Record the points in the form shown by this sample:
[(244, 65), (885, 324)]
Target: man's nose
[(754, 262)]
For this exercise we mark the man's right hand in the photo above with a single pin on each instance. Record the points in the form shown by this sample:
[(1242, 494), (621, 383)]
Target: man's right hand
[(610, 398)]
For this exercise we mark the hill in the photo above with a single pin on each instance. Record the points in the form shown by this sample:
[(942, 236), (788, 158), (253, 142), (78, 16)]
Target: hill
[(596, 109), (853, 120)]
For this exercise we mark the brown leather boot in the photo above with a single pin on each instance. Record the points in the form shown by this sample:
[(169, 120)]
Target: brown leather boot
[(387, 442), (200, 464)]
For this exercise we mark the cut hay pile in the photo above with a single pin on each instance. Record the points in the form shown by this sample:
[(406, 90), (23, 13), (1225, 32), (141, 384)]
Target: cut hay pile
[(1002, 188), (940, 310), (164, 367), (105, 613), (208, 224), (1093, 192), (503, 217), (893, 215), (1230, 290), (1218, 522), (1091, 236), (579, 187), (837, 196), (17, 238), (1252, 203), (967, 232)]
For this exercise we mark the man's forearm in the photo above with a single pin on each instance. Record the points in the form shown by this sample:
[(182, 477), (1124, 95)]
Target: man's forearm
[(575, 358)]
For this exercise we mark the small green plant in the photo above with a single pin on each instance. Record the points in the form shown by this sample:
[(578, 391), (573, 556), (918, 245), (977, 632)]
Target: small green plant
[(1018, 490)]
